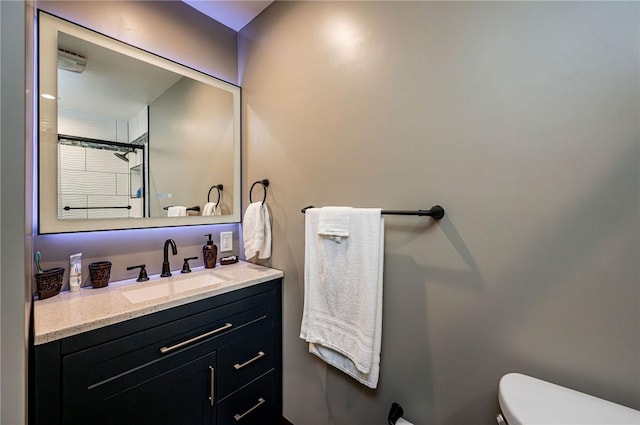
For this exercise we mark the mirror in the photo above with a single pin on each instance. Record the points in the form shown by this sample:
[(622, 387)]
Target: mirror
[(128, 139)]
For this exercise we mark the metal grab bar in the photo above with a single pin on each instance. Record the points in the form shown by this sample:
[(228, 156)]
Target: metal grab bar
[(67, 208), (165, 350)]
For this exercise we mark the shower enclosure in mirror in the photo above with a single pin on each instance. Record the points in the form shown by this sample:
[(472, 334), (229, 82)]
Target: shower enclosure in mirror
[(124, 135), (101, 179)]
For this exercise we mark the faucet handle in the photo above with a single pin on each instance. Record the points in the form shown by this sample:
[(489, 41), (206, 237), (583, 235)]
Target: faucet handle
[(142, 277), (185, 266)]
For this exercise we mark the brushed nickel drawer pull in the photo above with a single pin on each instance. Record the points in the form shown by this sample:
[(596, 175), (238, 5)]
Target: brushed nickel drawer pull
[(165, 350), (213, 380), (248, 362), (238, 416)]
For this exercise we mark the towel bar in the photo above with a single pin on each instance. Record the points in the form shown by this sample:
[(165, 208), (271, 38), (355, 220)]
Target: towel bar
[(436, 212)]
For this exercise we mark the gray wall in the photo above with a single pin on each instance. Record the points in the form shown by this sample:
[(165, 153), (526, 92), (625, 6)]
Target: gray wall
[(14, 235), (521, 119), (178, 32)]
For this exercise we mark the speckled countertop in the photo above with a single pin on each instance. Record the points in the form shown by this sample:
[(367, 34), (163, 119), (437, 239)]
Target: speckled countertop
[(71, 313)]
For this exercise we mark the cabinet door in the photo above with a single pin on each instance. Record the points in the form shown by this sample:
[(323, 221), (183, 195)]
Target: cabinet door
[(175, 393)]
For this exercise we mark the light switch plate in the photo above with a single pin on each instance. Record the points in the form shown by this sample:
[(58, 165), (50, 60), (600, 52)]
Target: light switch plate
[(226, 241)]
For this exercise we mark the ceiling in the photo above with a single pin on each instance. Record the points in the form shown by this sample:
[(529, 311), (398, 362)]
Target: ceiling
[(233, 13)]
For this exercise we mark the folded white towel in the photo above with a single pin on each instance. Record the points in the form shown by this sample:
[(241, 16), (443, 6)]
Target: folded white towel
[(256, 231), (334, 223), (342, 315), (177, 211)]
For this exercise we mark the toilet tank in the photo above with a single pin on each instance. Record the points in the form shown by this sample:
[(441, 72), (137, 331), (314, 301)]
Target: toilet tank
[(526, 401)]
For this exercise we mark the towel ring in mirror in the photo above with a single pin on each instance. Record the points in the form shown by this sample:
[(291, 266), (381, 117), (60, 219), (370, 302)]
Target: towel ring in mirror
[(219, 187)]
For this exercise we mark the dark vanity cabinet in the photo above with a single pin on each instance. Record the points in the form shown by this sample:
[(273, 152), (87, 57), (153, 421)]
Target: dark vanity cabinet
[(214, 361)]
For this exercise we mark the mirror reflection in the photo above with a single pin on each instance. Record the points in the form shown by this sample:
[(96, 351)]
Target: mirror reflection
[(140, 141)]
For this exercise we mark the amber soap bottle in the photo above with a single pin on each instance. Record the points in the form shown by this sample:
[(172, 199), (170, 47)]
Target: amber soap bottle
[(209, 254)]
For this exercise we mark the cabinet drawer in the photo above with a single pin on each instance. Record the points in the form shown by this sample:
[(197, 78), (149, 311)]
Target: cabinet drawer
[(167, 323), (245, 360), (253, 404)]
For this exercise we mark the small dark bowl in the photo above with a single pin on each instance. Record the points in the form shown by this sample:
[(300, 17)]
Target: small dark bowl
[(100, 272), (49, 282)]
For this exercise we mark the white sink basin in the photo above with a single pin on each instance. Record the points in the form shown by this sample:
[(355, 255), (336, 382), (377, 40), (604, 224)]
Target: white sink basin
[(173, 285)]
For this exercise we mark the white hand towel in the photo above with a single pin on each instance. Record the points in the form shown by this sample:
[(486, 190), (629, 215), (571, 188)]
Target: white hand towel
[(342, 315), (177, 211), (334, 223), (265, 250), (208, 209), (256, 231)]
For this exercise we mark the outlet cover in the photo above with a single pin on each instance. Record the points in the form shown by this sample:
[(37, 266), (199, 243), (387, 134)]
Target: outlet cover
[(226, 241)]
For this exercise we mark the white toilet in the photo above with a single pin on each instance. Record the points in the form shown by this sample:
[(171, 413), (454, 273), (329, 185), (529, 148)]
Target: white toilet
[(526, 401)]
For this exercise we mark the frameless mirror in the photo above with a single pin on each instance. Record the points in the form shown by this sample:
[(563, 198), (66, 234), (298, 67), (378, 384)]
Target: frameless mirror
[(128, 139)]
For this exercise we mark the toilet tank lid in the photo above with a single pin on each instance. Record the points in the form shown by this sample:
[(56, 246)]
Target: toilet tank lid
[(525, 400)]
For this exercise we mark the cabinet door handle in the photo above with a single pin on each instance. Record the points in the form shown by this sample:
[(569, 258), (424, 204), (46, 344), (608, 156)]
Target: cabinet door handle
[(165, 350), (213, 385), (238, 416), (248, 362)]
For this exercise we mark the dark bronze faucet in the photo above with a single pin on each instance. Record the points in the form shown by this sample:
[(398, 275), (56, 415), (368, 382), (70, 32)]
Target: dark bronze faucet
[(166, 268)]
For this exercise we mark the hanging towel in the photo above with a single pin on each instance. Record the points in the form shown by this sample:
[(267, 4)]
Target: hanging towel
[(177, 212), (334, 223), (256, 231), (342, 315), (211, 208), (208, 209)]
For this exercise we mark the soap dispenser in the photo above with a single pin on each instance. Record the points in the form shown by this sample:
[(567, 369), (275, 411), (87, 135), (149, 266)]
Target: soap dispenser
[(209, 254)]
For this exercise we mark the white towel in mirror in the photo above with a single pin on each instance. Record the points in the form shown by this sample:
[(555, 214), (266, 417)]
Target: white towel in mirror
[(177, 211), (208, 209), (211, 208)]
